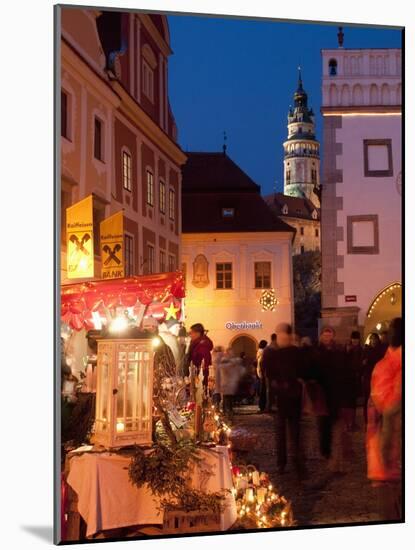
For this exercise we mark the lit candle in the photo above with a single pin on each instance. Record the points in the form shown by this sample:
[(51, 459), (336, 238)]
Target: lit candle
[(249, 495), (255, 478), (261, 492)]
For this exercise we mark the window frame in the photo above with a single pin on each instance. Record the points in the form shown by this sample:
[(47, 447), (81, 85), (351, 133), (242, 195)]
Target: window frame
[(149, 187), (223, 272), (67, 125), (126, 154), (162, 261), (128, 255), (172, 204), (162, 196), (351, 249), (262, 275), (171, 263), (152, 256), (148, 80), (101, 156), (377, 173)]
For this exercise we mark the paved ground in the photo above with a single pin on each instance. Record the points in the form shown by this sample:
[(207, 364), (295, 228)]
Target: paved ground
[(323, 498)]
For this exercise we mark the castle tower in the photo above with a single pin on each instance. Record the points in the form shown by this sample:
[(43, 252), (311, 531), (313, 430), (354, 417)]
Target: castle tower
[(301, 150)]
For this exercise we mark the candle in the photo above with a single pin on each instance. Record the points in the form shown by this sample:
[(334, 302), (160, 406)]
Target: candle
[(255, 478), (261, 492), (249, 495)]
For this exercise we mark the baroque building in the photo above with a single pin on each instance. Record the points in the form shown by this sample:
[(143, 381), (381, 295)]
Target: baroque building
[(118, 133), (361, 188), (236, 254)]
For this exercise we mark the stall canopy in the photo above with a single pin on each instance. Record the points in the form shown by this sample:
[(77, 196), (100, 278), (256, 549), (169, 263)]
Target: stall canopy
[(157, 292)]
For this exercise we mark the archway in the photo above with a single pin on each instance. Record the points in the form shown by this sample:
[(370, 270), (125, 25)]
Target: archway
[(386, 305), (244, 343)]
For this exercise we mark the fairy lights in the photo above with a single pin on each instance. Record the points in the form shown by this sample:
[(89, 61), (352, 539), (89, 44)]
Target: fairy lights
[(382, 295), (268, 300)]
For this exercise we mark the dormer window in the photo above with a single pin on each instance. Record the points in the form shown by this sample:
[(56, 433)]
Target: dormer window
[(228, 212), (332, 67)]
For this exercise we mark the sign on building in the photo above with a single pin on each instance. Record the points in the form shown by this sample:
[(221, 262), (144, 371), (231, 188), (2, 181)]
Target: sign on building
[(112, 246), (80, 239)]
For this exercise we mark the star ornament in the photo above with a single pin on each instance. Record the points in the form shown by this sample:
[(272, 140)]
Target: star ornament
[(268, 300), (171, 311)]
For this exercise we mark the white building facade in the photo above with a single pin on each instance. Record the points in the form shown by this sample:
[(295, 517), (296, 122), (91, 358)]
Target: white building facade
[(361, 189)]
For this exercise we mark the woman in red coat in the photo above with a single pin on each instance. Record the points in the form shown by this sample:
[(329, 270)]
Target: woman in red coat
[(200, 349), (383, 437)]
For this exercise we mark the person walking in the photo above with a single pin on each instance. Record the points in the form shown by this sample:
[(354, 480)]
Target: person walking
[(282, 367), (372, 354), (262, 403), (354, 361), (330, 372), (229, 372), (200, 350), (384, 429)]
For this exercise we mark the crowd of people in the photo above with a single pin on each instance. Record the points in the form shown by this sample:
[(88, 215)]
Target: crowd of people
[(291, 377)]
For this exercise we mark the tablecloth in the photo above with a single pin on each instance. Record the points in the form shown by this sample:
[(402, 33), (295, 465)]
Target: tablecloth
[(108, 500)]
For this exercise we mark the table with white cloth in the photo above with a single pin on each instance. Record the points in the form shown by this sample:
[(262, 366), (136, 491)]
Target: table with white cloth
[(108, 500)]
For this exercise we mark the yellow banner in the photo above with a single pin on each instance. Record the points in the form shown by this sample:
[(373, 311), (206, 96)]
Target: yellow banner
[(80, 239), (112, 246)]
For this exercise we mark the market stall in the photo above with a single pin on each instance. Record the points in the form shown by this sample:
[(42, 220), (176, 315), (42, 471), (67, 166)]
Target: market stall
[(147, 451)]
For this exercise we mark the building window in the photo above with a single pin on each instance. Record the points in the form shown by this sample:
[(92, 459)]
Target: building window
[(126, 170), (301, 230), (363, 234), (377, 156), (150, 259), (65, 115), (316, 232), (228, 212), (150, 188), (288, 176), (302, 249), (66, 202), (98, 213), (162, 261), (262, 274), (148, 81), (224, 275), (162, 196), (172, 206), (98, 139), (313, 176), (129, 255), (332, 67), (172, 262)]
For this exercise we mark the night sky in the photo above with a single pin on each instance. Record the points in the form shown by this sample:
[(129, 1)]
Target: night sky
[(240, 76)]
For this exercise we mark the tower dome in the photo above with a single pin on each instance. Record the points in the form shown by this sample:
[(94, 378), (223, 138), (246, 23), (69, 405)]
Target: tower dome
[(301, 149)]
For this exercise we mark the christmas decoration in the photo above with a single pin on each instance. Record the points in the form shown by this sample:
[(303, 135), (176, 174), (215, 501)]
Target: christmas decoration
[(268, 300)]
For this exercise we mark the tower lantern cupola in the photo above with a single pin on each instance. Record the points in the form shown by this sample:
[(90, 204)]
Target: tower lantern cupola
[(301, 149)]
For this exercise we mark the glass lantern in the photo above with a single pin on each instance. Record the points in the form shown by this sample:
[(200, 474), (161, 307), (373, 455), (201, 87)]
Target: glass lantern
[(124, 399)]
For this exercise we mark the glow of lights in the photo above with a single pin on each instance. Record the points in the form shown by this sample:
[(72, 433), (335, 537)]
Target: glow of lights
[(268, 300), (118, 324), (378, 326), (155, 342), (120, 426), (96, 317)]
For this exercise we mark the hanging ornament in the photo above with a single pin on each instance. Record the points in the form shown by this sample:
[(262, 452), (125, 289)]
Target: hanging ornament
[(171, 311), (268, 300)]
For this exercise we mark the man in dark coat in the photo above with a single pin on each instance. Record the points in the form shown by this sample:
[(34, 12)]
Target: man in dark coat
[(354, 360), (283, 368), (330, 371), (200, 349)]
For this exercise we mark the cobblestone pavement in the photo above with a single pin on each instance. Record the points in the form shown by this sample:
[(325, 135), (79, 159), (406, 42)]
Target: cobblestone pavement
[(323, 498)]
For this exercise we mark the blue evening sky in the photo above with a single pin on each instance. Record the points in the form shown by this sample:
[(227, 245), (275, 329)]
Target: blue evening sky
[(240, 75)]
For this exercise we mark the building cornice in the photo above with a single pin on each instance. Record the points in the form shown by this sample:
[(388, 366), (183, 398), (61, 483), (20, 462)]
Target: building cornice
[(246, 236), (361, 110), (134, 112), (152, 29)]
